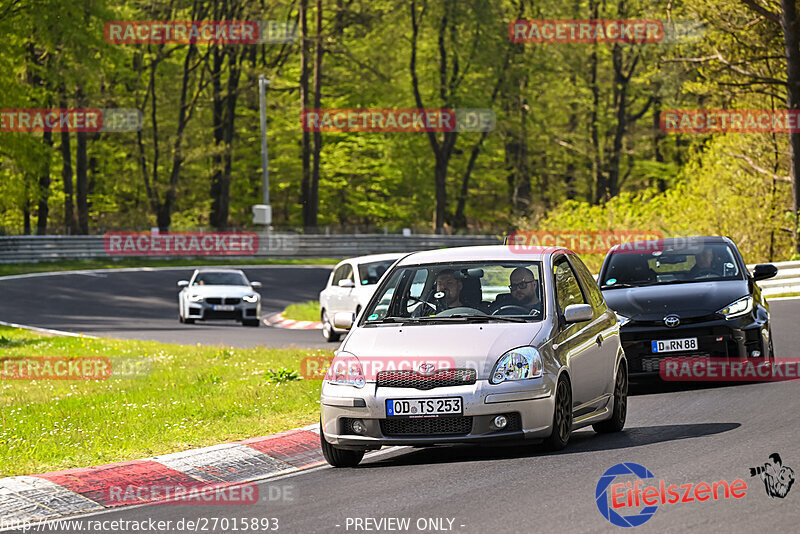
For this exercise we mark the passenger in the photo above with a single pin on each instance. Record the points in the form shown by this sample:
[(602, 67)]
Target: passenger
[(524, 292)]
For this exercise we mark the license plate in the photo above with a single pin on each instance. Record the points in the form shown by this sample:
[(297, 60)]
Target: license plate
[(223, 307), (435, 407), (674, 345)]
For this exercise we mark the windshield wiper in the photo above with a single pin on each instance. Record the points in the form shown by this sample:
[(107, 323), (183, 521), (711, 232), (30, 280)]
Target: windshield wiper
[(478, 318)]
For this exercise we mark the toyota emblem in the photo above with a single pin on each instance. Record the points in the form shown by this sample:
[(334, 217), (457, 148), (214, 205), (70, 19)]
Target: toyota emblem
[(672, 321), (427, 369)]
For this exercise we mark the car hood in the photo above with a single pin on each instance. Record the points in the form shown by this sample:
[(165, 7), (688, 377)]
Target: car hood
[(694, 299), (220, 291), (476, 346)]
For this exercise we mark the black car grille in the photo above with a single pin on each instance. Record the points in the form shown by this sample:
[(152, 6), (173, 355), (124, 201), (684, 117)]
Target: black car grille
[(652, 364), (220, 300), (428, 426), (413, 379)]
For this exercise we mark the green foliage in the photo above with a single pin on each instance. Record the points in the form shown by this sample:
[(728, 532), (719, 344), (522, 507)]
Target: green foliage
[(281, 376)]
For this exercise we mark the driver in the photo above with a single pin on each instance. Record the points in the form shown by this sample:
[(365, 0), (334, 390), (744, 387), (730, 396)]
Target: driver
[(523, 286), (447, 283), (703, 263)]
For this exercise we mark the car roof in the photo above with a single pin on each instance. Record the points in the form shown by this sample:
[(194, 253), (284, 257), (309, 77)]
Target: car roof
[(483, 253), (198, 271), (375, 257), (673, 241)]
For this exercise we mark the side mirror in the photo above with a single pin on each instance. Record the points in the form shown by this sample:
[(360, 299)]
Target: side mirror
[(347, 283), (255, 285), (763, 271), (577, 313), (183, 283), (344, 320)]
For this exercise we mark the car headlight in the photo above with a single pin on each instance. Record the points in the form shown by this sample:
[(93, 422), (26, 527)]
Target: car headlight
[(250, 298), (517, 364), (738, 307), (196, 298), (345, 370)]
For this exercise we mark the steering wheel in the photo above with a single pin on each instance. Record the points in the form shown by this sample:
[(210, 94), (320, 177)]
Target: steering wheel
[(511, 307)]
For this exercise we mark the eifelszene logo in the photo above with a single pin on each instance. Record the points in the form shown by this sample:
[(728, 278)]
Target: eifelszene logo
[(614, 497), (777, 478)]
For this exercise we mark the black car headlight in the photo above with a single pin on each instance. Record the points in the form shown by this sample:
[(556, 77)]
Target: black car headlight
[(517, 364), (195, 298), (738, 307)]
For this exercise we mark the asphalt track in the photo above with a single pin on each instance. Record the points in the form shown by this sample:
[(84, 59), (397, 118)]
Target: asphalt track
[(143, 304), (683, 434)]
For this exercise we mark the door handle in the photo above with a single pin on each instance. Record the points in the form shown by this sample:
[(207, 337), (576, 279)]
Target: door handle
[(599, 340)]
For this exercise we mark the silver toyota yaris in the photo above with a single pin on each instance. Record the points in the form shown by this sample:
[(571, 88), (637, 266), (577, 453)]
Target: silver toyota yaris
[(475, 344)]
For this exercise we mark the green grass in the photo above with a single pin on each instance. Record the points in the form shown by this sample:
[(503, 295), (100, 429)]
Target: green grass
[(24, 268), (193, 397), (302, 311)]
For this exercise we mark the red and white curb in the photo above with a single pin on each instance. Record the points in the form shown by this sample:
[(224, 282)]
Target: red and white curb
[(277, 321), (35, 498)]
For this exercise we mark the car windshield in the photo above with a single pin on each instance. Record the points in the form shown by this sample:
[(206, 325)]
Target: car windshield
[(370, 273), (460, 292), (696, 263), (220, 279)]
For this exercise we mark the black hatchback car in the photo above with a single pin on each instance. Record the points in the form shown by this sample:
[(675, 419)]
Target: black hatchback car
[(689, 297)]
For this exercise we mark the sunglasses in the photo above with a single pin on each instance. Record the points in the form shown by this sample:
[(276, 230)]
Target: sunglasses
[(521, 285)]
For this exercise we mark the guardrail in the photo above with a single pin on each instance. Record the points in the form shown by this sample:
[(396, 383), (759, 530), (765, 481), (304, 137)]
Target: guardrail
[(32, 249)]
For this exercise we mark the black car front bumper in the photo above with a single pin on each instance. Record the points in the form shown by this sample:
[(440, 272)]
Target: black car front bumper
[(739, 338)]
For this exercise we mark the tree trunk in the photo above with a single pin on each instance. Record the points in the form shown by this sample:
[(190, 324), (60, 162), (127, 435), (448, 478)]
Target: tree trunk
[(82, 184), (44, 186), (70, 224), (305, 183), (217, 120), (791, 37), (314, 192)]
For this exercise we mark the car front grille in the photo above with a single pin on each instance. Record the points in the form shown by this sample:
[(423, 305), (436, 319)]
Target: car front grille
[(428, 426), (413, 379), (220, 300), (652, 364)]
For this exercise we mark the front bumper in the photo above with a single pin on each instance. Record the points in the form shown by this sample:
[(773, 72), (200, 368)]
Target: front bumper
[(734, 339), (528, 405), (241, 310)]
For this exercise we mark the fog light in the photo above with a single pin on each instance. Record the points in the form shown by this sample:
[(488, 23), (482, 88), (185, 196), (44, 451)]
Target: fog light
[(358, 427), (500, 421), (755, 354)]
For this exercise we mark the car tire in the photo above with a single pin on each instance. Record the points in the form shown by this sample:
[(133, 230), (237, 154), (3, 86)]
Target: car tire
[(251, 322), (617, 421), (327, 328), (338, 457), (180, 318), (562, 416), (188, 321)]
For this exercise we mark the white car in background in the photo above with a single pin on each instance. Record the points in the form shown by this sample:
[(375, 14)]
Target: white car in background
[(350, 286), (219, 294)]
